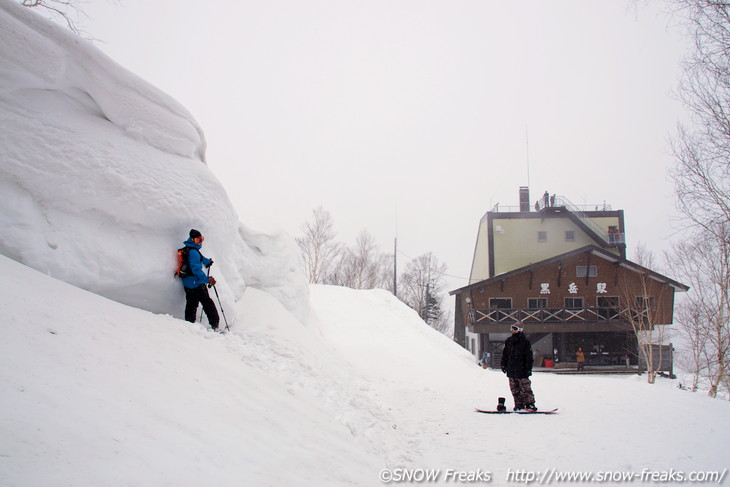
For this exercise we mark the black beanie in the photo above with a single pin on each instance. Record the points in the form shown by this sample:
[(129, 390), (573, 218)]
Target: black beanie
[(194, 233)]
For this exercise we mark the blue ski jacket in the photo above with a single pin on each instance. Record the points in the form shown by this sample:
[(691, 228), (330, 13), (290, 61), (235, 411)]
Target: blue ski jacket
[(196, 261)]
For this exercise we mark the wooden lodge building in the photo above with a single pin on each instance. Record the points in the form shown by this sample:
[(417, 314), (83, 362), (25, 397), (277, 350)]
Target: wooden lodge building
[(562, 271)]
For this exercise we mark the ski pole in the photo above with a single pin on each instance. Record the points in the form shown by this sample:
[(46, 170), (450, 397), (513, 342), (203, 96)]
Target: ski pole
[(219, 301), (221, 307), (201, 308)]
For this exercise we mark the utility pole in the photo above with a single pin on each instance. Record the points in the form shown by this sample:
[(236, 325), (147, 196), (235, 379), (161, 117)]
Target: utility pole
[(427, 307), (395, 267)]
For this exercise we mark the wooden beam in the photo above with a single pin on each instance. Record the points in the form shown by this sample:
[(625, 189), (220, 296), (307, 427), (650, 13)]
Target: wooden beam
[(560, 271)]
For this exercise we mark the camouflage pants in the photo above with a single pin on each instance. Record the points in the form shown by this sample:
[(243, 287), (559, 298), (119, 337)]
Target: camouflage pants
[(522, 392)]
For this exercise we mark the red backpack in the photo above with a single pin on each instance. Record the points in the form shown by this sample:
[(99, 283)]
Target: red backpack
[(183, 264)]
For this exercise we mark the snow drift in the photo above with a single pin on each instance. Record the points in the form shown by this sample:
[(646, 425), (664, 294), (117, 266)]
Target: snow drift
[(103, 175)]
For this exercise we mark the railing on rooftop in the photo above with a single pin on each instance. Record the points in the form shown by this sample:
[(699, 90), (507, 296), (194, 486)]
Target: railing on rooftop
[(559, 201), (578, 210)]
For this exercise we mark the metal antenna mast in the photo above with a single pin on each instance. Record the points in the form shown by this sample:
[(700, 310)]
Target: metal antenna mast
[(527, 155)]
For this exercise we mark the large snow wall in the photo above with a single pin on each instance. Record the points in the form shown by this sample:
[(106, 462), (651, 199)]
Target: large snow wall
[(102, 175)]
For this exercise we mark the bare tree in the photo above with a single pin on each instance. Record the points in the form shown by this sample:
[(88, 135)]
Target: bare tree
[(643, 299), (702, 149), (705, 313), (363, 266), (702, 182), (319, 249), (694, 333), (422, 288)]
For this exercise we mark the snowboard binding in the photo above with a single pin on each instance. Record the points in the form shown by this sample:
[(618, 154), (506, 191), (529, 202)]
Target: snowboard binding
[(500, 406)]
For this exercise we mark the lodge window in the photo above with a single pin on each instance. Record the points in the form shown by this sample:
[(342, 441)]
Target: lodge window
[(574, 303), (608, 307), (570, 236), (582, 270), (542, 236), (533, 303), (500, 302)]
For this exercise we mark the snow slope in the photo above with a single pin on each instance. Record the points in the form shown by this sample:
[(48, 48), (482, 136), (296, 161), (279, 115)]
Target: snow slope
[(431, 386), (98, 393), (103, 175), (93, 392)]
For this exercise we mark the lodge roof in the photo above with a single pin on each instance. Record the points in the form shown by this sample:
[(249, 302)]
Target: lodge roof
[(588, 249)]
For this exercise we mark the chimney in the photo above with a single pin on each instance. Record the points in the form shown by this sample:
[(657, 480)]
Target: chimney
[(524, 198)]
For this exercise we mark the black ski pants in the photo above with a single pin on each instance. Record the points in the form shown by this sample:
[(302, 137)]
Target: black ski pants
[(199, 295)]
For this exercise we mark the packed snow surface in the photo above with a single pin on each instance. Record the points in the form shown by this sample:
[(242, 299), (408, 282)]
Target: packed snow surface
[(94, 392)]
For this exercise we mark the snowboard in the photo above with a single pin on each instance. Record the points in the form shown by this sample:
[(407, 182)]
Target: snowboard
[(547, 411)]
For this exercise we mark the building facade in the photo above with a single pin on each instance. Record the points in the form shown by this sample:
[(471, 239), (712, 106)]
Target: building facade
[(563, 272), (510, 237)]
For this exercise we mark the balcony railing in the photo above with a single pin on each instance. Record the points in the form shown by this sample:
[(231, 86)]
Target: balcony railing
[(615, 238), (508, 316)]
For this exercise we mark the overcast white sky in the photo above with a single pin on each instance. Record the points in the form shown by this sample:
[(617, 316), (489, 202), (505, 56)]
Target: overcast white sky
[(419, 107)]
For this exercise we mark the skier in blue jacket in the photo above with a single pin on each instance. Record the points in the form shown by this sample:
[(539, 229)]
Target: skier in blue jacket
[(195, 284)]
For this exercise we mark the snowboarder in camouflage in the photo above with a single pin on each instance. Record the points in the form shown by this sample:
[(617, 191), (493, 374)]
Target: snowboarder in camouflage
[(517, 364)]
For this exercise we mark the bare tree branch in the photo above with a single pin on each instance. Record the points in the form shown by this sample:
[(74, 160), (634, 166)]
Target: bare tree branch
[(702, 185), (67, 10)]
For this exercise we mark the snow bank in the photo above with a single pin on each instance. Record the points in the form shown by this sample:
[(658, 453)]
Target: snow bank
[(93, 392), (382, 337), (39, 55), (103, 175)]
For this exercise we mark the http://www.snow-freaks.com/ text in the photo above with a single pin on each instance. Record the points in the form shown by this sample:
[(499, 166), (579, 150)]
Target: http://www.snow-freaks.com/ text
[(549, 476)]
